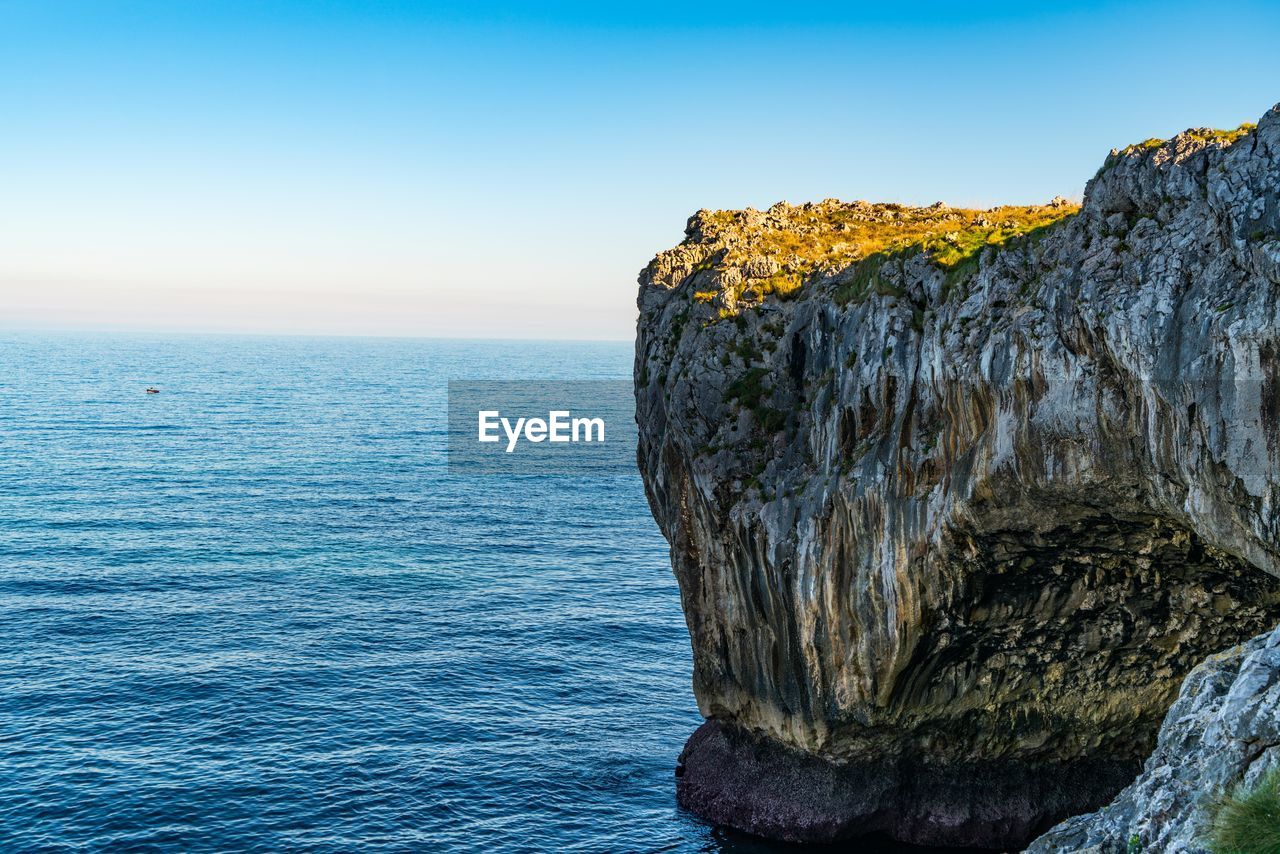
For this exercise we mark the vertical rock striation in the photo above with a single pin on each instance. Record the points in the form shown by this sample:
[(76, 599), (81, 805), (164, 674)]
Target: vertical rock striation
[(951, 527)]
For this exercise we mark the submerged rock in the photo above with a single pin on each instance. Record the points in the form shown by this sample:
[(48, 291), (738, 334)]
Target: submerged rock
[(956, 499)]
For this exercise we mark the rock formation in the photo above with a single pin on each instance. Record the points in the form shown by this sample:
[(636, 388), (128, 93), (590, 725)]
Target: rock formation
[(956, 499), (1224, 729)]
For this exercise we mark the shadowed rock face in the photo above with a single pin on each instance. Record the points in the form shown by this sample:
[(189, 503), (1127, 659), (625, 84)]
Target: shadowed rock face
[(1223, 730), (734, 778), (946, 549)]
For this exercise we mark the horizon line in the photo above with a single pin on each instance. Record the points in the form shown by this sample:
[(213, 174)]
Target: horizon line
[(38, 330)]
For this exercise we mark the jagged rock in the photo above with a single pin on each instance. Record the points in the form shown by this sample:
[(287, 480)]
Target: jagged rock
[(948, 535), (760, 268), (1223, 729)]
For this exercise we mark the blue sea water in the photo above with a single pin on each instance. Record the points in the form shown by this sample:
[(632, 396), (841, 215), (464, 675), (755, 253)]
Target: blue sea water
[(257, 611)]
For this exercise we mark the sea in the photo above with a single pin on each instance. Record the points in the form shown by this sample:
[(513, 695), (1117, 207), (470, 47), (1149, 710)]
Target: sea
[(258, 611)]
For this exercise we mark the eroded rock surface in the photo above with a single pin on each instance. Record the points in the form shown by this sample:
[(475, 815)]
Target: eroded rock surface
[(948, 534), (1223, 729)]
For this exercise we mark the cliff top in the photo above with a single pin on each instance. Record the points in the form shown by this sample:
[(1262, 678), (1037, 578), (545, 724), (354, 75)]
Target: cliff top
[(785, 244), (748, 255), (1225, 137)]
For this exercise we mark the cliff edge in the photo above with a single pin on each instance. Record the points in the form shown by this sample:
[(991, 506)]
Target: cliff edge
[(957, 498)]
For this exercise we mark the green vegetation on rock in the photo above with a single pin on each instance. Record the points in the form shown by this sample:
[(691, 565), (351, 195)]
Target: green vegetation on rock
[(1247, 819), (748, 388), (1226, 137), (1206, 135), (774, 252), (750, 391)]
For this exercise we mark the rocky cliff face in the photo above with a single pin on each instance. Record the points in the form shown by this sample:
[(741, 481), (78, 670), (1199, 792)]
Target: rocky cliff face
[(1224, 729), (951, 526)]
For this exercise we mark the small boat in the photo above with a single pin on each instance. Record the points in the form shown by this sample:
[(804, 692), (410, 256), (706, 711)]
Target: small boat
[(152, 390)]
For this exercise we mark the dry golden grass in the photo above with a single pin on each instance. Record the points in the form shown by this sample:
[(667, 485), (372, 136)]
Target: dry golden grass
[(828, 236), (774, 252)]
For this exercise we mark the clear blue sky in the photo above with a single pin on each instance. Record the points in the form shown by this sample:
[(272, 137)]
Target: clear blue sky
[(497, 169)]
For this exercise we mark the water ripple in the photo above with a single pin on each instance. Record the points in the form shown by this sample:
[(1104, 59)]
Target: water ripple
[(255, 612)]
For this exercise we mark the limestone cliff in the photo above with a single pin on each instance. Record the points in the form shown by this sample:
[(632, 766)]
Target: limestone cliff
[(1223, 730), (956, 499)]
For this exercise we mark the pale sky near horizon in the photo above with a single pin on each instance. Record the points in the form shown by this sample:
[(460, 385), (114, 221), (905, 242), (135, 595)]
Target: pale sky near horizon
[(395, 168)]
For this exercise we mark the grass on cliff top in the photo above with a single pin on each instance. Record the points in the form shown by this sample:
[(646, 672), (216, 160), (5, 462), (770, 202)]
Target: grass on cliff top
[(828, 236), (1247, 820), (1226, 137)]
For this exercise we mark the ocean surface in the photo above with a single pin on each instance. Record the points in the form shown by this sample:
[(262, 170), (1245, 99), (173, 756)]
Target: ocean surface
[(257, 611)]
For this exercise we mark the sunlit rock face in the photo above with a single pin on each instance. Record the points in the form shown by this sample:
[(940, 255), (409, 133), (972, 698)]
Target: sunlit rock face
[(948, 539)]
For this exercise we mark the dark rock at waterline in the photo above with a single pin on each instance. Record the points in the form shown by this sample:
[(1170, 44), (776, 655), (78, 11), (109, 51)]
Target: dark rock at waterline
[(758, 785)]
